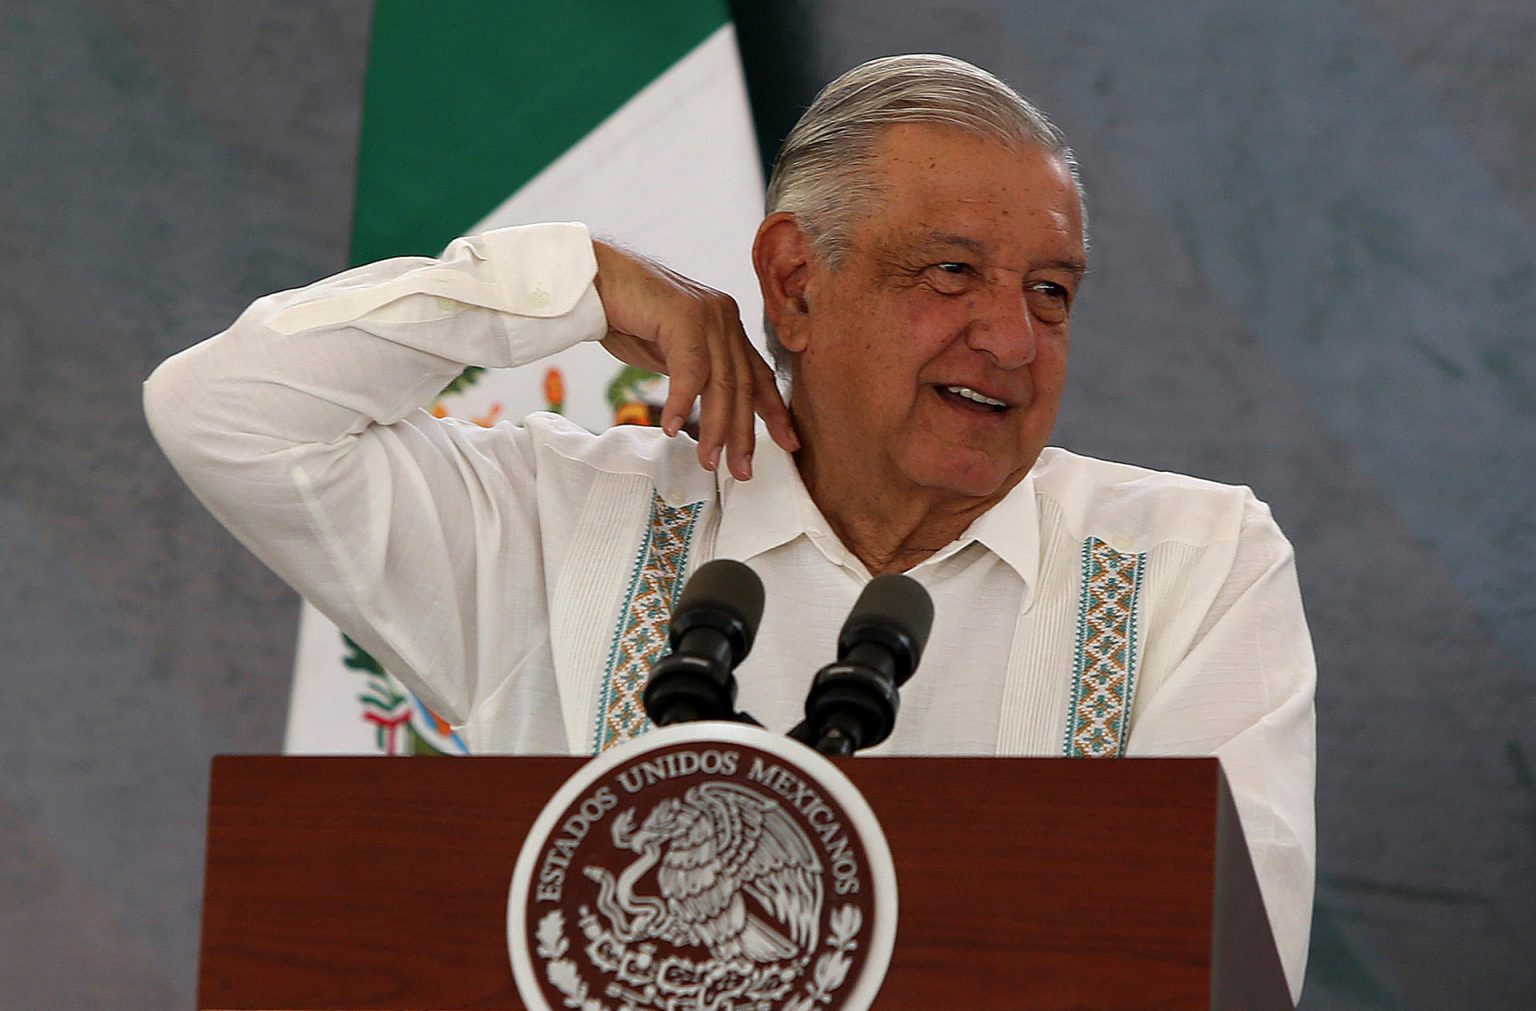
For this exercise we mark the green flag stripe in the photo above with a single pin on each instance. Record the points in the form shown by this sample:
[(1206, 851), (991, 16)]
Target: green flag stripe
[(465, 102)]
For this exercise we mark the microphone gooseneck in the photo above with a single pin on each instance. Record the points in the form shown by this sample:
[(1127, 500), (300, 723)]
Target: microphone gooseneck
[(711, 632), (853, 703)]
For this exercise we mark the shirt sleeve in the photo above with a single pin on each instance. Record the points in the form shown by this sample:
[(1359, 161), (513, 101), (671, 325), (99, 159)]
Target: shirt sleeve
[(301, 429), (1244, 692)]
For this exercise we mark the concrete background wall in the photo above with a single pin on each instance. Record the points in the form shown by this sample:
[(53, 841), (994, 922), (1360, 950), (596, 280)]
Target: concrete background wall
[(1314, 272)]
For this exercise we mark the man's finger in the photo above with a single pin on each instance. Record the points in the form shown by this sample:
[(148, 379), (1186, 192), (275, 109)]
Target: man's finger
[(743, 436), (771, 407), (714, 411), (687, 371)]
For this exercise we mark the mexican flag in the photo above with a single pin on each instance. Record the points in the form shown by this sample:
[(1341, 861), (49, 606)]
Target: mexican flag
[(632, 118)]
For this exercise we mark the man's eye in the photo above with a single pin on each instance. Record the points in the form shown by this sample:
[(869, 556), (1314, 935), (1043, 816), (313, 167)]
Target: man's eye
[(949, 278), (1048, 301)]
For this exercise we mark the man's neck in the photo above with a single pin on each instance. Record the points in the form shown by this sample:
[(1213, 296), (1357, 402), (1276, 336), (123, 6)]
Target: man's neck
[(888, 529)]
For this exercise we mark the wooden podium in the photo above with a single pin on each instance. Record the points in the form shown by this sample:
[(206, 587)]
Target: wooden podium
[(1024, 883)]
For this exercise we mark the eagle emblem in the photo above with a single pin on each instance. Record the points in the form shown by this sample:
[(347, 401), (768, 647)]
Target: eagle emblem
[(705, 867), (734, 875)]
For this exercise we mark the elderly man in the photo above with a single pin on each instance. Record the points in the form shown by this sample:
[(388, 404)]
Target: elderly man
[(919, 264)]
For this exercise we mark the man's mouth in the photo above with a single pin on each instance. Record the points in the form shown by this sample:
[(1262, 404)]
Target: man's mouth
[(964, 396)]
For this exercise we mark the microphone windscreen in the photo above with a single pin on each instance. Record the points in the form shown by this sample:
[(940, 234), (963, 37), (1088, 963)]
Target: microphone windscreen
[(725, 585), (892, 602)]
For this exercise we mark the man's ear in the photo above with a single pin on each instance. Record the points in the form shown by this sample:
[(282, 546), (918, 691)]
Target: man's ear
[(781, 254)]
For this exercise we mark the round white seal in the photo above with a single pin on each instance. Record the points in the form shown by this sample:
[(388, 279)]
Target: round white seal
[(707, 865)]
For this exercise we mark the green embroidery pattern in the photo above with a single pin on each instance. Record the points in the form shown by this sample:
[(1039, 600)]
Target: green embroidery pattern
[(640, 635), (1104, 667)]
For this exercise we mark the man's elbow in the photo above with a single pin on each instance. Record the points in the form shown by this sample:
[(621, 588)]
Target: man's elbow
[(170, 406), (190, 412)]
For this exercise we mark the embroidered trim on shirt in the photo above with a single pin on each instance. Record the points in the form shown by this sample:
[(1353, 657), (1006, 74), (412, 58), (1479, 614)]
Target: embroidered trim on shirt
[(1104, 667), (640, 634)]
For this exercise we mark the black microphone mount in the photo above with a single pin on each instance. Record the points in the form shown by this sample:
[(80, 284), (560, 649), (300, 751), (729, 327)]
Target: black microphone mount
[(853, 703), (711, 632)]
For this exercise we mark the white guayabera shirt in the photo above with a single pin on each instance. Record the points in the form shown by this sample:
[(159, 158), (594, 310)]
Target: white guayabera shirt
[(519, 578)]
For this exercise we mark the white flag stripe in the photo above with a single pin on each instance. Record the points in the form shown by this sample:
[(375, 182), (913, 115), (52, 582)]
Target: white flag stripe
[(673, 172)]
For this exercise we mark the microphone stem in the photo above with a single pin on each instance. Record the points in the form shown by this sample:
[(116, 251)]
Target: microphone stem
[(834, 741), (681, 711)]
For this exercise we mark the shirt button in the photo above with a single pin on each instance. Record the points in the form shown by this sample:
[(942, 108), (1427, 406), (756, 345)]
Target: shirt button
[(538, 298)]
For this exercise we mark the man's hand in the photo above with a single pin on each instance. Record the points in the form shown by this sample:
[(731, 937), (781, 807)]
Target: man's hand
[(665, 322)]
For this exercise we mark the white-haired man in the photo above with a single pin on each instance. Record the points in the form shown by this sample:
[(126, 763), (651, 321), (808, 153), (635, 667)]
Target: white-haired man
[(919, 262)]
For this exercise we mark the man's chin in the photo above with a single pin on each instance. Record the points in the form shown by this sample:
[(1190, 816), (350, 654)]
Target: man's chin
[(978, 478)]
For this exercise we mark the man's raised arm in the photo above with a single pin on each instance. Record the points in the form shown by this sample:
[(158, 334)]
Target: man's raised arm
[(301, 429)]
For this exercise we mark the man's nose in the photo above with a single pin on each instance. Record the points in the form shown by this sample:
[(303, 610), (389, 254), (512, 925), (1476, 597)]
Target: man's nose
[(1004, 328)]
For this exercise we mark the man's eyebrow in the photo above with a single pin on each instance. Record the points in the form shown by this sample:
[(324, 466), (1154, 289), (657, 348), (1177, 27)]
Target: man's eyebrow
[(951, 239), (1077, 268)]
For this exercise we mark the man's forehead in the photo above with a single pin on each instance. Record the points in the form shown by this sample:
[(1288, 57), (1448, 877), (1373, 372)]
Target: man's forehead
[(950, 164), (936, 144)]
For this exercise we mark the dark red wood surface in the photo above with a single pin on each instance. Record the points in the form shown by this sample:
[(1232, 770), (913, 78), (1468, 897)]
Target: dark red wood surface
[(1054, 883)]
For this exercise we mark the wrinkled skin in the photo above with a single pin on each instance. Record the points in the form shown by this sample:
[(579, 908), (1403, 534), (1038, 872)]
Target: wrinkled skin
[(958, 285)]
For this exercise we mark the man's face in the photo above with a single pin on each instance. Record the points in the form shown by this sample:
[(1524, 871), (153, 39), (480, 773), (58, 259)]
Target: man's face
[(936, 353)]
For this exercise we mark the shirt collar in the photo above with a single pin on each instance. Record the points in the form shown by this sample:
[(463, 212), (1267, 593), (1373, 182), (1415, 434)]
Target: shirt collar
[(774, 508), (1011, 530), (769, 510)]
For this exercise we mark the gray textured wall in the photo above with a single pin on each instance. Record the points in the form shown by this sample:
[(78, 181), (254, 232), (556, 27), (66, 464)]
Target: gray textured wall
[(161, 165), (1314, 272)]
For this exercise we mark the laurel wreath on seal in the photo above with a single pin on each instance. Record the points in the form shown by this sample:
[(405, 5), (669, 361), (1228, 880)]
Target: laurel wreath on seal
[(832, 967), (560, 971), (829, 974)]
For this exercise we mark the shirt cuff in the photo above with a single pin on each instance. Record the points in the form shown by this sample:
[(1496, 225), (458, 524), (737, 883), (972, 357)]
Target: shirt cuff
[(529, 272)]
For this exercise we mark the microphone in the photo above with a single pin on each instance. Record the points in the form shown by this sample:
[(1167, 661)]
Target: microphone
[(711, 631), (853, 703)]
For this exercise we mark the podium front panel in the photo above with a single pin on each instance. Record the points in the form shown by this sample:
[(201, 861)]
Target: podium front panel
[(350, 883)]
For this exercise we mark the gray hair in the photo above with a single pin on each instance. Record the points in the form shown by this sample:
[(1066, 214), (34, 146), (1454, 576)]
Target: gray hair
[(823, 174)]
